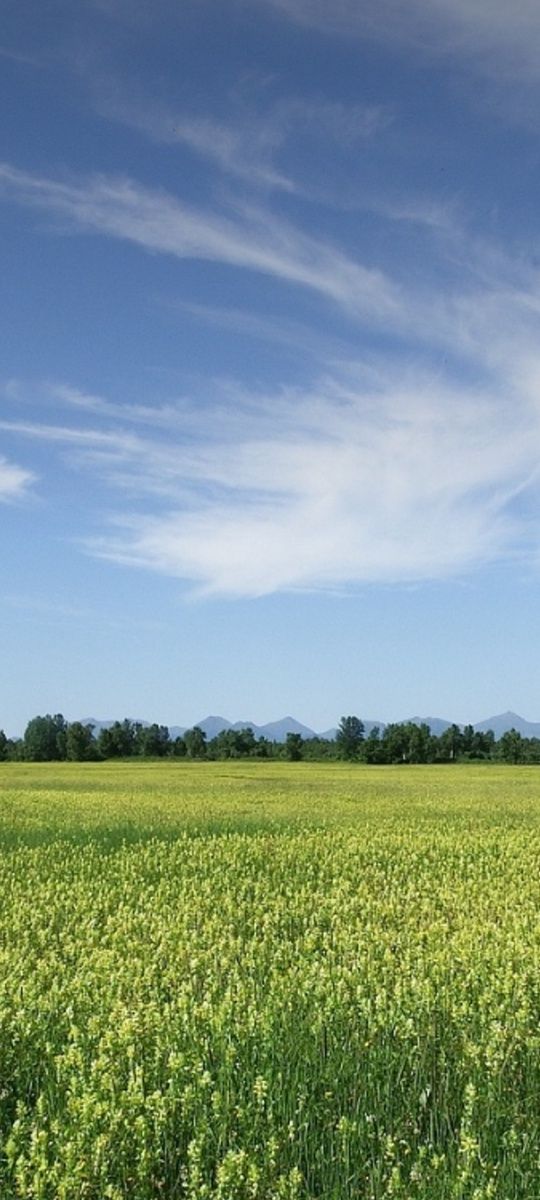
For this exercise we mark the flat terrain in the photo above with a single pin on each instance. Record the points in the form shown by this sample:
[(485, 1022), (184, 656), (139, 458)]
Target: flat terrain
[(257, 981)]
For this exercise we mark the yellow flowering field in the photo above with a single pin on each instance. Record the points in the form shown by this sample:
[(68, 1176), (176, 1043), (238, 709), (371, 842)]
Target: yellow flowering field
[(269, 981)]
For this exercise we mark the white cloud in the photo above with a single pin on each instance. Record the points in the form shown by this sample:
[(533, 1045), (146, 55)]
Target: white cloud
[(253, 240), (298, 338), (243, 148), (335, 487), (252, 128), (350, 489), (499, 35), (158, 416), (475, 300), (485, 291), (14, 480), (380, 472), (79, 437)]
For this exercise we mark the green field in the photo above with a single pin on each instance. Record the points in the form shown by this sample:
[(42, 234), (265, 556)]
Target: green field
[(256, 981)]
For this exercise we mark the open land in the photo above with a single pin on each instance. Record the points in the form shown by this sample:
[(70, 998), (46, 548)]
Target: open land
[(237, 981)]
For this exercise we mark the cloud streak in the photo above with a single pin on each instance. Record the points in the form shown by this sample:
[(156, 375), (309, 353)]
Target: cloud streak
[(478, 290), (14, 480), (498, 36), (243, 149), (246, 145), (255, 240), (475, 283)]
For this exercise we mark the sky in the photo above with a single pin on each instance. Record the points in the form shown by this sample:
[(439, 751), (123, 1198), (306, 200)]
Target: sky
[(270, 369)]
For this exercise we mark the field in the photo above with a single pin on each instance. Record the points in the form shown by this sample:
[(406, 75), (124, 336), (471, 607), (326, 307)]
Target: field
[(269, 982)]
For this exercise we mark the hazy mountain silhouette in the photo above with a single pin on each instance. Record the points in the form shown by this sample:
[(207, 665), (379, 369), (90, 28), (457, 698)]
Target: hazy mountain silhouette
[(276, 731)]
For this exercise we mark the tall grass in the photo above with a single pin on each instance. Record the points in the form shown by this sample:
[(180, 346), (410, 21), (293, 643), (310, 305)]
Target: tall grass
[(261, 982)]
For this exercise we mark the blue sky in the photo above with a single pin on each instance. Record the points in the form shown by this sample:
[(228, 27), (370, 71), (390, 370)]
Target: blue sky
[(270, 380)]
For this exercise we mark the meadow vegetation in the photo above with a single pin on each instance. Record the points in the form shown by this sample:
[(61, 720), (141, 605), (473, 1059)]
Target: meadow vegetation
[(269, 981)]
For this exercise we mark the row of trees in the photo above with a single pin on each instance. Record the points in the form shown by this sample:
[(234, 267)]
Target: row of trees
[(53, 739)]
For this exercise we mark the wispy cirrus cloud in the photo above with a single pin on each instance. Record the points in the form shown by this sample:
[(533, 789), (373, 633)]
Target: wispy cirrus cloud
[(121, 457), (244, 148), (486, 291), (253, 240), (247, 145), (497, 35), (338, 486), (158, 416), (15, 481), (476, 26), (354, 489), (381, 472), (294, 336)]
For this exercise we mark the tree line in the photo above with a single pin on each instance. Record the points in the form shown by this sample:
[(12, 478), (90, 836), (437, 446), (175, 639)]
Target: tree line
[(53, 739)]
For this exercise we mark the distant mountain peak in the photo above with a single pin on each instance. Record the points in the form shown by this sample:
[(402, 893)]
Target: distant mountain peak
[(502, 722), (437, 725), (212, 725), (277, 730)]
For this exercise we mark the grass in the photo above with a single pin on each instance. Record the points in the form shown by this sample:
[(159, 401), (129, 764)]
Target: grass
[(261, 981)]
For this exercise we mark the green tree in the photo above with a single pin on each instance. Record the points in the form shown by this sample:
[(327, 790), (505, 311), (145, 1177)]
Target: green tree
[(467, 740), (420, 743), (294, 746), (349, 737), (11, 749), (223, 745), (45, 738), (245, 741), (318, 749), (118, 741), (152, 741), (451, 743), (80, 744), (512, 746), (532, 749), (263, 748), (195, 741), (372, 749), (483, 744), (395, 742)]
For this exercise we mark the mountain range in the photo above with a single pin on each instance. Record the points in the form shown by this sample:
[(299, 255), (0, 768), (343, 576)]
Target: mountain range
[(276, 731)]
